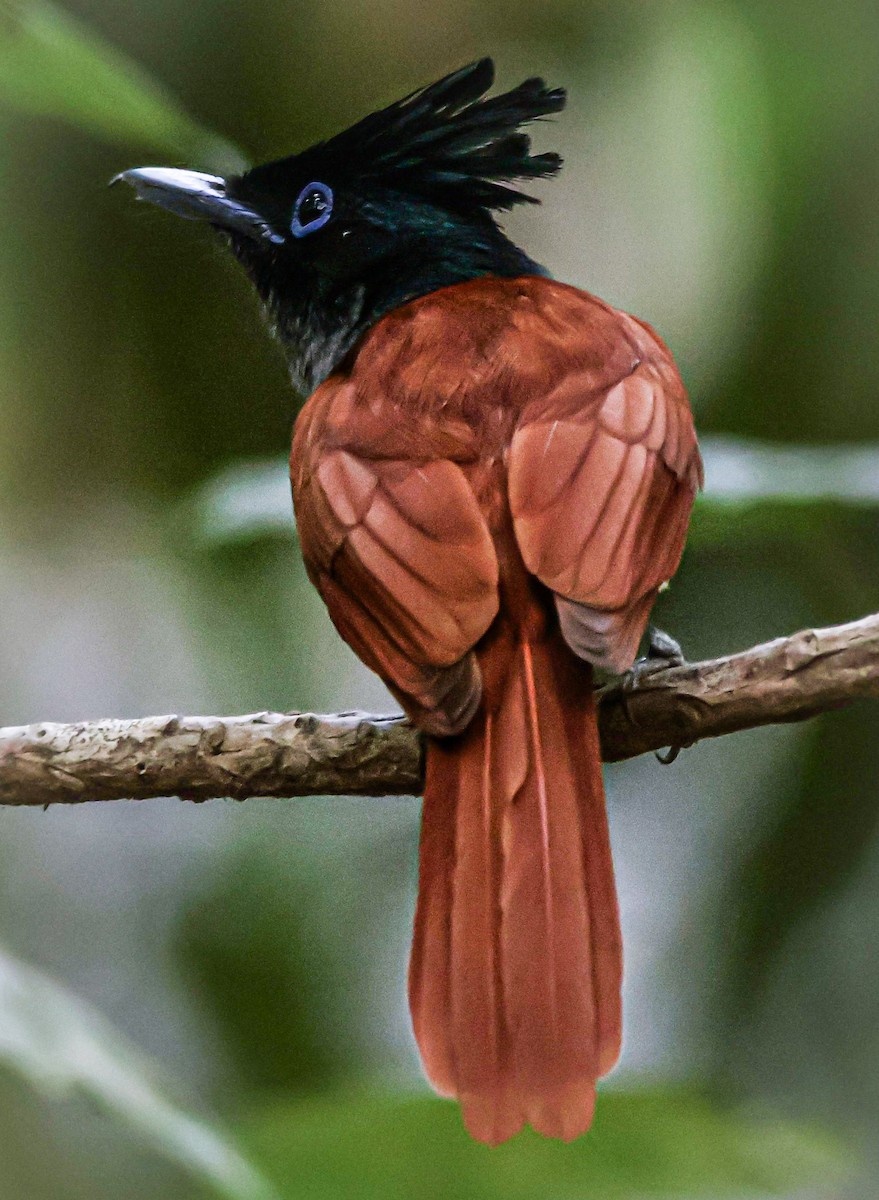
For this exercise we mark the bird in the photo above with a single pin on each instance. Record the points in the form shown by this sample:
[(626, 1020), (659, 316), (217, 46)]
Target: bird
[(492, 475)]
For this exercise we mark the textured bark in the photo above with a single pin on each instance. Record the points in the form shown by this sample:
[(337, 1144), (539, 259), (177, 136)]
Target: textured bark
[(789, 679), (197, 758), (300, 754)]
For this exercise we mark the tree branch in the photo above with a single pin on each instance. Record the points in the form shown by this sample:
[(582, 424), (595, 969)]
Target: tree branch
[(276, 754)]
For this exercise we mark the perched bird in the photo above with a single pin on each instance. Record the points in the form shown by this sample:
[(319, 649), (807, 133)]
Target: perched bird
[(492, 479)]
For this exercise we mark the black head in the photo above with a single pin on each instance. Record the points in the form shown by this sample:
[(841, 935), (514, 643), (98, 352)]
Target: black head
[(395, 207)]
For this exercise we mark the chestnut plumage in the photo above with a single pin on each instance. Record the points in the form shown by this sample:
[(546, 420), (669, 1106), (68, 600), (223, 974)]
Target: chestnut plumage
[(492, 477)]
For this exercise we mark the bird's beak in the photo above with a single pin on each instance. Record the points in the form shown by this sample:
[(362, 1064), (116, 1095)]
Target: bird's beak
[(197, 197)]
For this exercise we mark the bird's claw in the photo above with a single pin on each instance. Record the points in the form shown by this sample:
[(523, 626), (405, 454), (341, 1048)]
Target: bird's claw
[(663, 652)]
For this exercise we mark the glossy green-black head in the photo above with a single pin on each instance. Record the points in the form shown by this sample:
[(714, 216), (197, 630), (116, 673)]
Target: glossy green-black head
[(400, 204)]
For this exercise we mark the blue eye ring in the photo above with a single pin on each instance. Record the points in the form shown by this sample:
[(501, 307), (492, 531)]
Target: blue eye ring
[(317, 193)]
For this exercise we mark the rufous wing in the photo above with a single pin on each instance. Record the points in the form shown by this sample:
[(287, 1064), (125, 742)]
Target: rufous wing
[(601, 488), (404, 561)]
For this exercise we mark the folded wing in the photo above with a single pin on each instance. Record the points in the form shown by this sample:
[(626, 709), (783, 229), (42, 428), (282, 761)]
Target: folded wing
[(601, 488), (403, 558)]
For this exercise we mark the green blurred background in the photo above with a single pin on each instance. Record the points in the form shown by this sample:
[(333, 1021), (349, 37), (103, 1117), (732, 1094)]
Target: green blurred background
[(209, 1000)]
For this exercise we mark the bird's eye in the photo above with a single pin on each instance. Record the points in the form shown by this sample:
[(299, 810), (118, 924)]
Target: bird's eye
[(312, 210)]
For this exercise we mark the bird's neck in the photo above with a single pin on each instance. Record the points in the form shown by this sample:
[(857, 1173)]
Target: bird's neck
[(319, 321)]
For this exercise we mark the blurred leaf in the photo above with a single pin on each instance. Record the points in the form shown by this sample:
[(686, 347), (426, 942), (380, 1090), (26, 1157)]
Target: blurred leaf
[(650, 1143), (54, 66), (243, 502), (739, 468), (749, 486), (63, 1047)]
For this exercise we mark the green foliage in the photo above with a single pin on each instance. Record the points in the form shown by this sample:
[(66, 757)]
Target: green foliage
[(251, 963), (650, 1143), (62, 1047), (808, 851), (53, 66)]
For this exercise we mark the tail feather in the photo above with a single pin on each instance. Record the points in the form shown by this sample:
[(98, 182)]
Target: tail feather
[(606, 940), (476, 1010), (430, 967), (515, 973)]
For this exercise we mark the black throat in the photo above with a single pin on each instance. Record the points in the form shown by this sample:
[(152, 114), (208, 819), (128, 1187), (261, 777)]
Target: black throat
[(319, 315)]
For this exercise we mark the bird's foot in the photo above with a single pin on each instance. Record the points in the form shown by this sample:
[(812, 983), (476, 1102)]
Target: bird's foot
[(663, 652)]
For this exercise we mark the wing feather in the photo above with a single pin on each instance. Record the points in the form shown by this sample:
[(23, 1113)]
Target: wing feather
[(403, 557), (601, 497)]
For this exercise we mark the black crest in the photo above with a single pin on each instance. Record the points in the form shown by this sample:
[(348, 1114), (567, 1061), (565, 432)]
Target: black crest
[(445, 142)]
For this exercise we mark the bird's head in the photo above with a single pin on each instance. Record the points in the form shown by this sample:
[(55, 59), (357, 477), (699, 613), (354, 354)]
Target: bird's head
[(400, 204)]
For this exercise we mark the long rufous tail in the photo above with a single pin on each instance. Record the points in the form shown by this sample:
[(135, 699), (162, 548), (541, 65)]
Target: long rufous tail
[(514, 982)]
